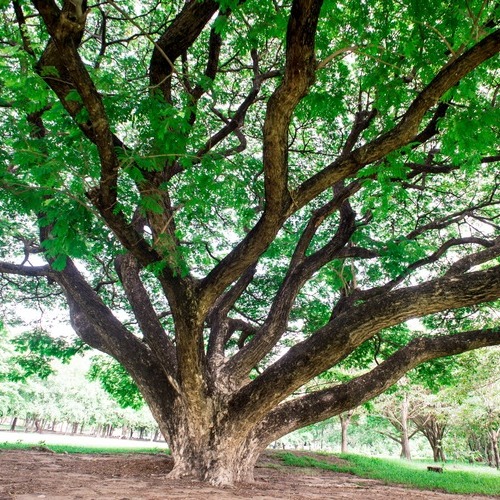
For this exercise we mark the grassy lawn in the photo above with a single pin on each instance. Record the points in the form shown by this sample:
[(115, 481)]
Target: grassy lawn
[(36, 441), (68, 448), (456, 478), (61, 443)]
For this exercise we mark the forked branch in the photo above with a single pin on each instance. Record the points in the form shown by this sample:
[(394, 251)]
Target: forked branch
[(298, 76)]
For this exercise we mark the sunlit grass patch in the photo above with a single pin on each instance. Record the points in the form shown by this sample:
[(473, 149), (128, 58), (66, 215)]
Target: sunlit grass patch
[(456, 478), (59, 448)]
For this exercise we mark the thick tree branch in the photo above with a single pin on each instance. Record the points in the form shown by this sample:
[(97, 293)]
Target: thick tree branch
[(98, 327), (106, 325), (320, 405), (298, 76), (465, 263), (22, 270), (49, 10), (479, 257), (218, 319), (21, 21), (154, 335), (214, 48), (178, 37), (333, 342), (301, 269), (138, 362), (61, 53)]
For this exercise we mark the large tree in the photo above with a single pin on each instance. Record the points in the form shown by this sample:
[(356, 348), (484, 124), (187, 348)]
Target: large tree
[(235, 196)]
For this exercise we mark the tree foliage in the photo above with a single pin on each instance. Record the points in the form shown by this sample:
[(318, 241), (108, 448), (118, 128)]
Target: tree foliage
[(232, 197), (34, 352), (116, 382)]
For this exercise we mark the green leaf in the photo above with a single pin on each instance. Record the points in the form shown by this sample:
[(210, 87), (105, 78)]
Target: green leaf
[(59, 263)]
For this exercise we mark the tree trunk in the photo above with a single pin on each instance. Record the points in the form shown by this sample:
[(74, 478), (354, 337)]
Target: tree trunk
[(211, 456), (405, 436), (489, 453), (405, 448), (215, 418), (222, 466), (345, 419), (13, 424), (494, 447), (220, 454), (438, 454)]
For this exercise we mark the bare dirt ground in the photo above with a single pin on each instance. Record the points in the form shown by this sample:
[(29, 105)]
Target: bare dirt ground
[(28, 475)]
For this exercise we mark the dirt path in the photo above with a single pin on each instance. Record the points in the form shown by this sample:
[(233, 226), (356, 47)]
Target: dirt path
[(29, 475)]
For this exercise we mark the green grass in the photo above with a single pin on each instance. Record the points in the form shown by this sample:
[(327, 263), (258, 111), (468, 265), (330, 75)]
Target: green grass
[(456, 478), (64, 448)]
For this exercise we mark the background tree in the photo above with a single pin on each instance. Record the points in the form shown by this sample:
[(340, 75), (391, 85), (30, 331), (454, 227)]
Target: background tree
[(432, 422), (64, 400), (475, 419), (11, 397), (399, 409), (232, 197)]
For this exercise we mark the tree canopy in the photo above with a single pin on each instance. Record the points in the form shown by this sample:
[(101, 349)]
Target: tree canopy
[(232, 197)]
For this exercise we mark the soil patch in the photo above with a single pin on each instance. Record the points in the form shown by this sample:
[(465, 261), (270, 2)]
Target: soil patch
[(29, 475)]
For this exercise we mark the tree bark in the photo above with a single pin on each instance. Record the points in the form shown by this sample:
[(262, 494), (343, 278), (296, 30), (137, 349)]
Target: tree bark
[(345, 419), (405, 435)]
